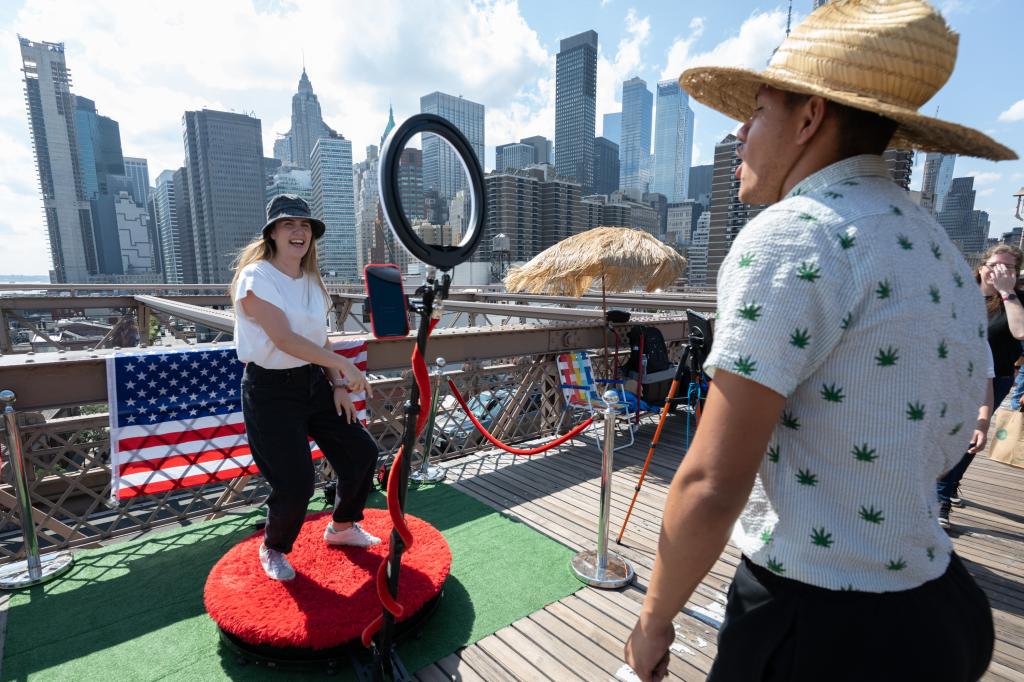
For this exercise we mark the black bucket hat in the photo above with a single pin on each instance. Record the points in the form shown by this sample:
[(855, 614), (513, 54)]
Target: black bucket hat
[(291, 206)]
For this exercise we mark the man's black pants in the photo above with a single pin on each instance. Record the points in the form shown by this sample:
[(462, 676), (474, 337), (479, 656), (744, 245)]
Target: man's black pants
[(283, 408), (779, 629)]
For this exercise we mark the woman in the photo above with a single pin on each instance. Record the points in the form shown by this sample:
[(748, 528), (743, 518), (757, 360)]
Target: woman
[(295, 387), (997, 277)]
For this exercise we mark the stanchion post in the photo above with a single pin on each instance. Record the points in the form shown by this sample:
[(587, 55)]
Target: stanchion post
[(427, 473), (34, 569), (601, 568)]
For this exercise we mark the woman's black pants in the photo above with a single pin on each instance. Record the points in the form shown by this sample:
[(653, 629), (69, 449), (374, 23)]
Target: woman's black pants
[(283, 409)]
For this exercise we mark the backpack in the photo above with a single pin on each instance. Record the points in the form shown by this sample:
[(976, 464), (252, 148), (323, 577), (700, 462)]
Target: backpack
[(655, 349)]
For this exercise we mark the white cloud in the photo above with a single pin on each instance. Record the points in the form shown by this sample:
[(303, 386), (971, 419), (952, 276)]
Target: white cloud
[(626, 63), (1014, 113), (982, 178), (750, 48), (987, 192), (952, 6), (145, 64)]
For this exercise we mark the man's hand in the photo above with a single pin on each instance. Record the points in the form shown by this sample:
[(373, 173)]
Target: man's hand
[(978, 438), (343, 404), (647, 649)]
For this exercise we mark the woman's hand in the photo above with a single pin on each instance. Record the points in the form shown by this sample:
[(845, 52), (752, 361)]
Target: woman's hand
[(1002, 278), (357, 381), (343, 404)]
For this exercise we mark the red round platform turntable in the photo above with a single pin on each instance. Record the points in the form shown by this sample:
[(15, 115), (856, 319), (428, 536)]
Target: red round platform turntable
[(319, 614)]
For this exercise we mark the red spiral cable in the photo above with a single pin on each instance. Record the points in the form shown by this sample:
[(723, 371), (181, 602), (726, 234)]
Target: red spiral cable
[(419, 370), (508, 448)]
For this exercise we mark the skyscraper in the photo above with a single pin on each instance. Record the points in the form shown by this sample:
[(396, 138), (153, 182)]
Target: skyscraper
[(307, 127), (334, 203), (635, 147), (51, 113), (137, 172), (542, 147), (99, 147), (606, 166), (900, 163), (513, 209), (728, 214), (514, 155), (611, 127), (224, 163), (410, 183), (290, 181), (576, 108), (442, 169), (697, 253), (166, 213), (673, 142), (700, 185), (958, 217), (938, 176), (186, 234)]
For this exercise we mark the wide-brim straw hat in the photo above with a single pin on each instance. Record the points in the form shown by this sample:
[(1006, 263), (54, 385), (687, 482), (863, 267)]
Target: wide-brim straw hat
[(884, 56)]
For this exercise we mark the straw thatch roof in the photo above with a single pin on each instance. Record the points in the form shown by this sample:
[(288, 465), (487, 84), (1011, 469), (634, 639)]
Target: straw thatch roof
[(625, 258)]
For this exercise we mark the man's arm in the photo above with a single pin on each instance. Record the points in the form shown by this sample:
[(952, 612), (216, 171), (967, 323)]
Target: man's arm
[(706, 496)]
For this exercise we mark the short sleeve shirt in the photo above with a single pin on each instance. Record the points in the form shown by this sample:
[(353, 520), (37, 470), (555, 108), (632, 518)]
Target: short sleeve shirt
[(302, 302), (851, 302)]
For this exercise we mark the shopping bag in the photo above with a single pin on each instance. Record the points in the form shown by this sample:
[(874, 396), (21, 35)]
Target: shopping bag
[(1008, 439)]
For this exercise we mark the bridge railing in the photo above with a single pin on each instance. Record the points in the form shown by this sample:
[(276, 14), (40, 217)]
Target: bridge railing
[(62, 403)]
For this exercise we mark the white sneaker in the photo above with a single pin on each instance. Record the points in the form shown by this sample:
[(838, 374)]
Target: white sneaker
[(354, 536), (275, 564)]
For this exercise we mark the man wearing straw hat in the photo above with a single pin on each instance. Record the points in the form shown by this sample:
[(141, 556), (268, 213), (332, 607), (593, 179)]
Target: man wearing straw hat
[(848, 363)]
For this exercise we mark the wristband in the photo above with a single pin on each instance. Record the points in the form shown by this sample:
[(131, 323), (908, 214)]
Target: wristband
[(1008, 296), (340, 384)]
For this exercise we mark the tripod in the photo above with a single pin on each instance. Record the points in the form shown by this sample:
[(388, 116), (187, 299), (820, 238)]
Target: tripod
[(692, 363)]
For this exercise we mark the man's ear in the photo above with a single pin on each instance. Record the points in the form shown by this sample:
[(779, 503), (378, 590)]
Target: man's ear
[(811, 116)]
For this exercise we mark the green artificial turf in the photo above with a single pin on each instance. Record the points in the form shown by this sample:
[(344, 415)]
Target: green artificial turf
[(134, 611)]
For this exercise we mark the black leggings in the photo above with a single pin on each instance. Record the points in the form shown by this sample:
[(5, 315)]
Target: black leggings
[(283, 408)]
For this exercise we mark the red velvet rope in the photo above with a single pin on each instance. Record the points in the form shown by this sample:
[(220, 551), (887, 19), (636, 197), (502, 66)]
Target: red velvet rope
[(419, 370), (509, 448)]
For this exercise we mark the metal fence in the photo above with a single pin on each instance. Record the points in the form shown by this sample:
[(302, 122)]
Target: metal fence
[(509, 376)]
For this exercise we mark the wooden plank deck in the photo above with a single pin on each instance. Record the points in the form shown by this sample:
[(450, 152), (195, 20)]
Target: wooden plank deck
[(582, 636)]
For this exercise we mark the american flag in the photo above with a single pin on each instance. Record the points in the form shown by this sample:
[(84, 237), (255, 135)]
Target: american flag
[(176, 418)]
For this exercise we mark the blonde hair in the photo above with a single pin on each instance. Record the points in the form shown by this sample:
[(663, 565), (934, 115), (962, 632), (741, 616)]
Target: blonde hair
[(262, 248)]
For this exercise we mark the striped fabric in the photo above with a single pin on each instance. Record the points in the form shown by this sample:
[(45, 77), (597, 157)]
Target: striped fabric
[(176, 418)]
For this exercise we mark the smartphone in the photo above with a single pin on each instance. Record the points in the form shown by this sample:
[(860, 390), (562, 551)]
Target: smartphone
[(385, 297)]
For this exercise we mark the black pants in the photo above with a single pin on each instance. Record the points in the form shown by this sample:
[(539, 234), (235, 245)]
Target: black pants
[(779, 629), (282, 409)]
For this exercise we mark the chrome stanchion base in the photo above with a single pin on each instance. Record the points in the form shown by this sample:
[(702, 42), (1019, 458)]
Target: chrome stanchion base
[(617, 573), (15, 576), (430, 475)]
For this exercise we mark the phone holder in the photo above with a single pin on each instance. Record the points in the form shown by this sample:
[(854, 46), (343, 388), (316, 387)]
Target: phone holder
[(442, 257)]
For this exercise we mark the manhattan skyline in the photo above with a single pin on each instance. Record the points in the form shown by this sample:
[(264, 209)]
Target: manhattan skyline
[(145, 66)]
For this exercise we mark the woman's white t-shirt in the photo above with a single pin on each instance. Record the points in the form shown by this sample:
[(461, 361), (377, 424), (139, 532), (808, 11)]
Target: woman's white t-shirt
[(302, 302)]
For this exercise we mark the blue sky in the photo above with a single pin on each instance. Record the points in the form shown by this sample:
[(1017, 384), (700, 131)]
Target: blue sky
[(145, 63)]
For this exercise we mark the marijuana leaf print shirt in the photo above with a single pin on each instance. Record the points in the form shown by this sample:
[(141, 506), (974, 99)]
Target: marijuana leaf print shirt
[(851, 302)]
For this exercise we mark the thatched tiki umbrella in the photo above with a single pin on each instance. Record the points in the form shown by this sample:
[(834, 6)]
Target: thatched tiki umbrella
[(623, 259)]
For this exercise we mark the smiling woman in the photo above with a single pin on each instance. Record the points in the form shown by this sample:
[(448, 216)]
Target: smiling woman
[(293, 388)]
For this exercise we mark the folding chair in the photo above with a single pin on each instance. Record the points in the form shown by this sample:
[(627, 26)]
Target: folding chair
[(580, 390)]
